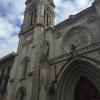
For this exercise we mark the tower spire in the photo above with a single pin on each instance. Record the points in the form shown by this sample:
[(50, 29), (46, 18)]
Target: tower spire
[(28, 1), (39, 12), (38, 15)]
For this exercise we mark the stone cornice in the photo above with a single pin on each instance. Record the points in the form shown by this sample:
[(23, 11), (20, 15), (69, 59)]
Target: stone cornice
[(52, 3), (49, 28), (31, 28), (74, 18), (96, 2), (75, 53), (26, 30)]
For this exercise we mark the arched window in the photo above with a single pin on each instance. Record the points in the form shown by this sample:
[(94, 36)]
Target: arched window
[(33, 17), (2, 81), (85, 90), (21, 94), (47, 21), (31, 21), (79, 37), (44, 17), (1, 75)]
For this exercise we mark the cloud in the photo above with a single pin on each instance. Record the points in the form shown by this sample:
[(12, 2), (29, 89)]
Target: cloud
[(64, 8), (8, 45), (6, 28), (11, 18)]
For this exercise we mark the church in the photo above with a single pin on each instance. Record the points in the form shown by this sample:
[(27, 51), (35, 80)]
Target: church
[(57, 62)]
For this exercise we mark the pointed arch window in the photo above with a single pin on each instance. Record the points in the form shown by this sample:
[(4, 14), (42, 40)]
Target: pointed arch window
[(1, 75), (44, 17), (5, 78), (33, 17), (25, 64), (2, 81), (21, 94), (31, 21)]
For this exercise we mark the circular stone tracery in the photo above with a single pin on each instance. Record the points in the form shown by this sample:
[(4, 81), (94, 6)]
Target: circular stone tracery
[(79, 38)]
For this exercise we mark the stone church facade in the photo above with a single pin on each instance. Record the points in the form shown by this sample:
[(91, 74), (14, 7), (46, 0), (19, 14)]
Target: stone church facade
[(5, 67), (57, 62)]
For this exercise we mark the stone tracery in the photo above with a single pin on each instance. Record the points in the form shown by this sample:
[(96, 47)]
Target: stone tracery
[(78, 36)]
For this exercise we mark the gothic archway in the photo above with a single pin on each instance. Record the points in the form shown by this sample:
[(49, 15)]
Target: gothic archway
[(71, 76), (78, 36), (21, 94), (86, 90)]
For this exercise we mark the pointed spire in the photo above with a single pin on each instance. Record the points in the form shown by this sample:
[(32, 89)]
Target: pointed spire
[(96, 0), (52, 2), (28, 1)]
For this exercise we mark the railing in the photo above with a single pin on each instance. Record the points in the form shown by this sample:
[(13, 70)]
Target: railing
[(81, 51)]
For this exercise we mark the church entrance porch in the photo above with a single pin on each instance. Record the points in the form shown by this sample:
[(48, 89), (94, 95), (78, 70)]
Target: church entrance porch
[(79, 81)]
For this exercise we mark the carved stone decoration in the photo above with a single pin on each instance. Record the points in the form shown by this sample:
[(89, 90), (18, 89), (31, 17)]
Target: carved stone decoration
[(43, 76), (42, 94), (44, 51), (29, 9), (57, 35), (28, 1), (25, 63), (53, 88), (78, 37), (25, 60), (21, 93), (91, 19)]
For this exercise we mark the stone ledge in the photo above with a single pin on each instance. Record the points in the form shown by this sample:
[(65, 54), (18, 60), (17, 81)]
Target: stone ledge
[(11, 80), (30, 74), (24, 78)]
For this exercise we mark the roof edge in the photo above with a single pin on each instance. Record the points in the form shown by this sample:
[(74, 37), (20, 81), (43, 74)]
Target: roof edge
[(8, 56)]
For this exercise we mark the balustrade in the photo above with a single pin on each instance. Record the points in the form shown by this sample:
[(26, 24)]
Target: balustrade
[(81, 51)]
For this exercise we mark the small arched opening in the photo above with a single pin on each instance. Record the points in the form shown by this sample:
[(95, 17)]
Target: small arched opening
[(21, 94)]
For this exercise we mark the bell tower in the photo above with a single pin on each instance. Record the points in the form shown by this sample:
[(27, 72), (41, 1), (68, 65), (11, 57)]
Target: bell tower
[(39, 12), (24, 77)]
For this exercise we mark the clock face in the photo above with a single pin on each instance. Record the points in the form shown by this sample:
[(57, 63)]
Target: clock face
[(28, 38), (79, 39)]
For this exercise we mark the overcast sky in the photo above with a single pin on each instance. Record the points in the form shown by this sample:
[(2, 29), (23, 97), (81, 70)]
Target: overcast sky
[(11, 18)]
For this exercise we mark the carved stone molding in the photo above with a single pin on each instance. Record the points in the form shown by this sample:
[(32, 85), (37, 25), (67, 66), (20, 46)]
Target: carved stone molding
[(11, 80), (24, 78), (91, 19), (78, 52), (57, 35), (78, 36), (25, 59), (30, 74)]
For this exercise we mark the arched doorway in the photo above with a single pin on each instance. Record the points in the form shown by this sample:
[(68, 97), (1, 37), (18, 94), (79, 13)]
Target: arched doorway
[(86, 90), (77, 76), (21, 94)]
